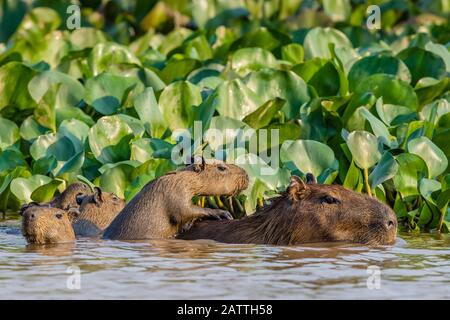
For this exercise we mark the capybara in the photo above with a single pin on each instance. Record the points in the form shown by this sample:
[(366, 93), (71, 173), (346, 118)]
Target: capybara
[(44, 224), (307, 213), (97, 211), (67, 199), (164, 205)]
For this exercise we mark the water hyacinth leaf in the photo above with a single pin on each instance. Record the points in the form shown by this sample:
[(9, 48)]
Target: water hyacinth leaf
[(262, 116), (423, 63), (337, 10), (441, 51), (317, 40), (77, 131), (428, 188), (364, 148), (30, 129), (393, 114), (45, 165), (23, 188), (428, 89), (353, 179), (105, 92), (374, 64), (9, 133), (103, 55), (435, 159), (234, 93), (309, 156), (109, 139), (411, 169), (149, 112), (246, 60), (10, 159), (393, 90), (176, 69), (269, 84), (45, 192), (73, 164), (293, 53), (141, 150), (198, 48), (14, 79), (69, 93), (117, 178), (177, 102), (378, 128), (264, 38), (386, 169)]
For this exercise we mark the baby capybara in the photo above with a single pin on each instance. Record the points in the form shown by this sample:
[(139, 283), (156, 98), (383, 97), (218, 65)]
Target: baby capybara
[(43, 224), (164, 205), (96, 212), (307, 213)]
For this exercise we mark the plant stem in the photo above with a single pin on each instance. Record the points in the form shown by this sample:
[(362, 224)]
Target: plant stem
[(441, 220), (366, 181)]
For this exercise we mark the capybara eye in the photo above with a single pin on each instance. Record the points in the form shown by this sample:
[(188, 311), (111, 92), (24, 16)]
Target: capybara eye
[(58, 216), (222, 168), (329, 199)]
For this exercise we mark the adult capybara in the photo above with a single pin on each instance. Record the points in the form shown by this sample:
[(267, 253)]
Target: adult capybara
[(65, 200), (164, 205), (44, 224), (97, 211), (307, 213)]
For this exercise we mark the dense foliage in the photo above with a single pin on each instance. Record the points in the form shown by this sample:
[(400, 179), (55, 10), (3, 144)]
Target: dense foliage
[(368, 109)]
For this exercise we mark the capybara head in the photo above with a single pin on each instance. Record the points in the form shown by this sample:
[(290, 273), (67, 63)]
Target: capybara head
[(334, 213), (221, 178), (44, 224), (68, 198), (97, 211)]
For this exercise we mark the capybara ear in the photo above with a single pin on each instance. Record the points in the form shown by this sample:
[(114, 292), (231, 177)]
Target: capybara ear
[(199, 164), (98, 197), (73, 213), (310, 178), (24, 207), (297, 189)]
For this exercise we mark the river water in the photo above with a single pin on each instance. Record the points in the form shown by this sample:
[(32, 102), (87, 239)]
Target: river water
[(416, 268)]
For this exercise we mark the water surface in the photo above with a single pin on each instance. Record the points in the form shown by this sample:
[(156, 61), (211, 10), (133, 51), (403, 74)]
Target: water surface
[(419, 268)]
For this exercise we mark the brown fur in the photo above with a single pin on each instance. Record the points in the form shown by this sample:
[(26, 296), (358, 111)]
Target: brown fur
[(67, 199), (43, 225), (307, 213), (164, 205), (97, 211)]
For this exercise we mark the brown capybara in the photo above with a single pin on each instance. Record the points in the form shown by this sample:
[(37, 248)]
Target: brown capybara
[(307, 213), (164, 205), (97, 211), (67, 199), (44, 224)]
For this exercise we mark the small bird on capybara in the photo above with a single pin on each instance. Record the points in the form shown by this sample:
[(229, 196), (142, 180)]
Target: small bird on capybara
[(97, 211), (165, 205), (305, 213)]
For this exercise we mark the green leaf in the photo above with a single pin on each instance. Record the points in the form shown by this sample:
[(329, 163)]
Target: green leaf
[(262, 116), (374, 64), (386, 169), (149, 112), (103, 55), (76, 131), (364, 148), (309, 156), (317, 40), (411, 169), (106, 92), (9, 133), (246, 60), (109, 139), (30, 129), (45, 192), (293, 52), (423, 63), (269, 84), (23, 188), (177, 103), (435, 159), (14, 79)]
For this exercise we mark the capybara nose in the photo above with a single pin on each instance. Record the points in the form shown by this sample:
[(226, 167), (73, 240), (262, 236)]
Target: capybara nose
[(79, 199)]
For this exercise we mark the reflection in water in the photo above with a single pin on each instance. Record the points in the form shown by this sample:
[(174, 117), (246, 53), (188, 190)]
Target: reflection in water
[(170, 269)]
